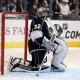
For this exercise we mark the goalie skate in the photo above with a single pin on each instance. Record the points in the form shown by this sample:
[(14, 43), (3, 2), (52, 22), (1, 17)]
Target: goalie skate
[(56, 69)]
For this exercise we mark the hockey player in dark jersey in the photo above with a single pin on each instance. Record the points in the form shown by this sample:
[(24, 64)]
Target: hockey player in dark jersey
[(38, 29)]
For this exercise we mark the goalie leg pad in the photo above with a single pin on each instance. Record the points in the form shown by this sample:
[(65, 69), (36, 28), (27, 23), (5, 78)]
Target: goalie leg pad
[(16, 62), (58, 59), (20, 67), (9, 67)]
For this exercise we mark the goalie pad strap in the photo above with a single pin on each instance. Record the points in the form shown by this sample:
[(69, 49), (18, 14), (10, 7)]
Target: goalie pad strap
[(20, 61)]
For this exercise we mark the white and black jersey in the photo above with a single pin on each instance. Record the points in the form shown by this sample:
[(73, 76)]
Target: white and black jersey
[(38, 29)]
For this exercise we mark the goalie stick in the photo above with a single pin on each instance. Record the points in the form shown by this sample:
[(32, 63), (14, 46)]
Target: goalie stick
[(37, 74), (52, 40), (52, 26)]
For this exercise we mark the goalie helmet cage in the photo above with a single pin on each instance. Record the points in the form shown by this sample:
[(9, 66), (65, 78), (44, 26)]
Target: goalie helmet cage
[(8, 21)]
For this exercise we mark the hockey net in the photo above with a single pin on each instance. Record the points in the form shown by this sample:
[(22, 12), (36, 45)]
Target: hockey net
[(13, 36)]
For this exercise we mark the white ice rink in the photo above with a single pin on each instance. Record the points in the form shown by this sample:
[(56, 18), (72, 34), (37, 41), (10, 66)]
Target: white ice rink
[(72, 60)]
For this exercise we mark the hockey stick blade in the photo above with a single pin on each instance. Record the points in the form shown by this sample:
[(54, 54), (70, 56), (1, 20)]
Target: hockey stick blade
[(52, 26)]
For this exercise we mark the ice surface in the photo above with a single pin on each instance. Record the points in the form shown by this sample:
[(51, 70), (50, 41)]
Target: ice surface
[(72, 60)]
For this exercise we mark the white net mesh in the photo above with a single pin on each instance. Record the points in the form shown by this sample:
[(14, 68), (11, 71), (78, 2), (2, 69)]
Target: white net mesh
[(14, 43)]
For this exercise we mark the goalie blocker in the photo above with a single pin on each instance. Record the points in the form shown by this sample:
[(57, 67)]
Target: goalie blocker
[(49, 44)]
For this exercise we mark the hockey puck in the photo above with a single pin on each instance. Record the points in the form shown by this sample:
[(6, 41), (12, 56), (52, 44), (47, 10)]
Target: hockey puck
[(37, 74)]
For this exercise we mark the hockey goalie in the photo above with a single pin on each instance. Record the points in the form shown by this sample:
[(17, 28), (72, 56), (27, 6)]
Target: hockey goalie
[(41, 41)]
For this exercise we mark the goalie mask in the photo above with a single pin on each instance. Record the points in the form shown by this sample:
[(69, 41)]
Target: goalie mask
[(41, 12)]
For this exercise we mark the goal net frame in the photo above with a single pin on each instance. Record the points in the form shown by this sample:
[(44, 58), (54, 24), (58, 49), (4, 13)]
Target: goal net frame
[(3, 14)]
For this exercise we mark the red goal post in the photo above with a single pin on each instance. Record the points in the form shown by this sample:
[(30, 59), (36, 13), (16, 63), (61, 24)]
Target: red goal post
[(11, 26)]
